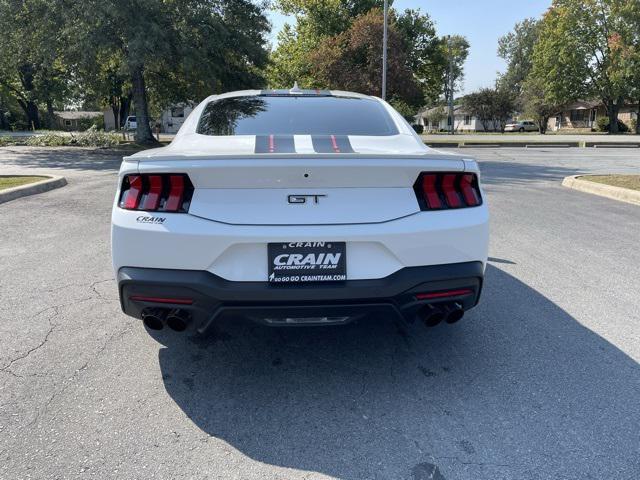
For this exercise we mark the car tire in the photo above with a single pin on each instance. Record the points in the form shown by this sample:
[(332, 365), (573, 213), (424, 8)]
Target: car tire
[(521, 130)]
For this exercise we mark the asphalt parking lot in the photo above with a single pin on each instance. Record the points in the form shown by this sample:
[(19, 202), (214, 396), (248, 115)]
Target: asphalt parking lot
[(540, 381)]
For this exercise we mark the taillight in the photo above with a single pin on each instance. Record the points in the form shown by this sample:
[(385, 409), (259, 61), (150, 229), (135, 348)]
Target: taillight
[(158, 192), (440, 191)]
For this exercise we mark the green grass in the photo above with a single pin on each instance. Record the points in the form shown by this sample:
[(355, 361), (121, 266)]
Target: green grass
[(10, 182), (632, 182)]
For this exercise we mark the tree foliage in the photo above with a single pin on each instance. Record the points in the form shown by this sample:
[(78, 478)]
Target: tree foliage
[(31, 70), (352, 61), (491, 106), (174, 50), (113, 52), (316, 51), (454, 51), (581, 53), (516, 48)]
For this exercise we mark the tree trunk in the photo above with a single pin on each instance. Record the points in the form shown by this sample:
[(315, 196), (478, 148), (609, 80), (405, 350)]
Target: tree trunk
[(125, 105), (143, 130), (114, 103), (51, 118), (542, 127), (4, 122), (30, 110), (612, 111)]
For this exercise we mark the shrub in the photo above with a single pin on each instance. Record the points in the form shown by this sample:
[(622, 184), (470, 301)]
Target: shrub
[(95, 138), (418, 128), (603, 125), (49, 140), (86, 123), (90, 138), (5, 141), (634, 125)]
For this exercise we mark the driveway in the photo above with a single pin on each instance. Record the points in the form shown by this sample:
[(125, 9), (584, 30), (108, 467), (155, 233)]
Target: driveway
[(540, 381)]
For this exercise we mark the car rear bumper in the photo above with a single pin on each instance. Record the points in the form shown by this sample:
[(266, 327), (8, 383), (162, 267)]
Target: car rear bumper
[(207, 297)]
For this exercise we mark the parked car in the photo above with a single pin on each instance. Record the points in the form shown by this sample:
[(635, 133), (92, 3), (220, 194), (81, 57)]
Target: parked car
[(297, 208), (131, 123), (523, 126)]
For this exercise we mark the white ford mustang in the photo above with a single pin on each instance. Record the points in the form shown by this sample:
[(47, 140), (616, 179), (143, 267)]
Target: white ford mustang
[(297, 208)]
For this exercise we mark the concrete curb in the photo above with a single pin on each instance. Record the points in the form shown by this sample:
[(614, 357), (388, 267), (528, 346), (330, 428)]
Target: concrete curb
[(49, 183), (609, 191)]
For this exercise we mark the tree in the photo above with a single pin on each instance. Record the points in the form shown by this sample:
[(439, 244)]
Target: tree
[(106, 84), (516, 48), (578, 54), (536, 104), (436, 115), (455, 50), (174, 49), (630, 44), (492, 106), (425, 55), (320, 20), (316, 20), (31, 66), (352, 60)]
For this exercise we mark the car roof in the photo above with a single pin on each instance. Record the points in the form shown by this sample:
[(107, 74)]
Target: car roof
[(316, 92)]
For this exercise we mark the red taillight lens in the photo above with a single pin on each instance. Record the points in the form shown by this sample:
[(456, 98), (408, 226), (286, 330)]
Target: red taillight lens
[(440, 191), (131, 197), (166, 192)]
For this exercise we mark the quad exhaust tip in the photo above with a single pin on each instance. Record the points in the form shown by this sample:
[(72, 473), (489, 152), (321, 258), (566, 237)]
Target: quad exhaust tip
[(154, 318), (178, 320), (454, 312), (432, 315)]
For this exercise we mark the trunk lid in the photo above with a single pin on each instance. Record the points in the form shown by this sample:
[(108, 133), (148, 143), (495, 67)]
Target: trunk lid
[(303, 189)]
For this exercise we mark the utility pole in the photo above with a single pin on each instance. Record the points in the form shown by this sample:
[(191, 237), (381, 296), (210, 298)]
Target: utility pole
[(451, 83), (384, 51)]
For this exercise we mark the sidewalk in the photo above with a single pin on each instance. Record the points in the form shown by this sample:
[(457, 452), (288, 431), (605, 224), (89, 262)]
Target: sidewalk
[(531, 140)]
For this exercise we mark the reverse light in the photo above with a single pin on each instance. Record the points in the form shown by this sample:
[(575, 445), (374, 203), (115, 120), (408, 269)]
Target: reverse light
[(445, 190), (160, 192)]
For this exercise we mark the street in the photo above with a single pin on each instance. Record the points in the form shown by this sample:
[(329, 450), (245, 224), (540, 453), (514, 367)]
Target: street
[(540, 381)]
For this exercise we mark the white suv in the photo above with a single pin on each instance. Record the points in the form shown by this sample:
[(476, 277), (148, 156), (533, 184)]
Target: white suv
[(297, 208)]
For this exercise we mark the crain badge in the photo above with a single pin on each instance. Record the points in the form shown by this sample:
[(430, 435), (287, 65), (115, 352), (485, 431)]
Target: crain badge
[(147, 219)]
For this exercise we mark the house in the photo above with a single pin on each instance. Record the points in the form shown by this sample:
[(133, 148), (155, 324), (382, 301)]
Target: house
[(584, 114), (173, 117), (437, 119), (82, 120)]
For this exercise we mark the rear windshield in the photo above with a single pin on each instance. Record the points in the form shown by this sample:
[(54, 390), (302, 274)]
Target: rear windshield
[(296, 115)]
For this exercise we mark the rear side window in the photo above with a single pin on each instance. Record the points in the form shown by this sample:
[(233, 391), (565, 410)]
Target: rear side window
[(296, 115)]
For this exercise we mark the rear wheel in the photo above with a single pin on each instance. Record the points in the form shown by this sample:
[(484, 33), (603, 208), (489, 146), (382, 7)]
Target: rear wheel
[(521, 130)]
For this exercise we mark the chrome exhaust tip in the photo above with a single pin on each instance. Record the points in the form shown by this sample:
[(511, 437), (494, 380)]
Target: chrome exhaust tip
[(154, 318), (178, 320), (431, 315), (454, 313)]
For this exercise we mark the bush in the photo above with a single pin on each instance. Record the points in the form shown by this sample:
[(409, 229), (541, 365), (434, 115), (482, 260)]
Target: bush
[(634, 124), (95, 138), (91, 138), (5, 141), (603, 125), (87, 123), (49, 140), (418, 128)]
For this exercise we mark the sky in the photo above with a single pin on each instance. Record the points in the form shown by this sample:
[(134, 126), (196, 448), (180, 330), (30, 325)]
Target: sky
[(482, 22)]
